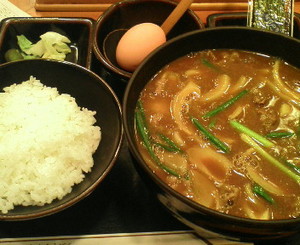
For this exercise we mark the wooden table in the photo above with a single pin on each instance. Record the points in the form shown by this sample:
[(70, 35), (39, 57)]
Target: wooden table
[(29, 7)]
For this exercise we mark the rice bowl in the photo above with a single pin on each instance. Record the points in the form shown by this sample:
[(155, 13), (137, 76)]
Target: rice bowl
[(90, 91)]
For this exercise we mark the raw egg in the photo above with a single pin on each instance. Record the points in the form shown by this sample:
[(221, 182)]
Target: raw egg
[(137, 43)]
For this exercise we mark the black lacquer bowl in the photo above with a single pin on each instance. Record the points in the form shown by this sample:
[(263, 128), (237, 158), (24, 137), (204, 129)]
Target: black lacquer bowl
[(89, 91), (78, 30), (190, 213), (123, 15)]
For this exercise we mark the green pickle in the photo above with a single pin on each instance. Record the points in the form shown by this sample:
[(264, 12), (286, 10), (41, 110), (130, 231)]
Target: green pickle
[(13, 54)]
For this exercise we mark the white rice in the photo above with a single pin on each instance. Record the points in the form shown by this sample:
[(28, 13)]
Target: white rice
[(46, 144)]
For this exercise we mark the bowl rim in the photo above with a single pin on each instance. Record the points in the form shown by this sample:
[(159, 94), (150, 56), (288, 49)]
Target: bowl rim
[(120, 134), (100, 56), (162, 185)]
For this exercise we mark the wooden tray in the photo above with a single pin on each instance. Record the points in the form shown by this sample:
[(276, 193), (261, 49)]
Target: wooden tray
[(101, 5)]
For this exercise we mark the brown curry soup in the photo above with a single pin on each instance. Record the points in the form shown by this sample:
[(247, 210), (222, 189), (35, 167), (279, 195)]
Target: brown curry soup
[(214, 156)]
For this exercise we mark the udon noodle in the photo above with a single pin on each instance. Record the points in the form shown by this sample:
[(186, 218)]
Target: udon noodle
[(222, 128)]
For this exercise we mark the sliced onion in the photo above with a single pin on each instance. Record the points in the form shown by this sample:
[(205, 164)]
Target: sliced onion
[(241, 83), (180, 103), (204, 190), (281, 89), (210, 162), (223, 84), (254, 207), (265, 215), (264, 182)]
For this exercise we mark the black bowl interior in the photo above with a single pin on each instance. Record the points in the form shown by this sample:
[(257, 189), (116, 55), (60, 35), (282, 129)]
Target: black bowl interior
[(90, 92), (125, 14), (243, 38), (78, 30)]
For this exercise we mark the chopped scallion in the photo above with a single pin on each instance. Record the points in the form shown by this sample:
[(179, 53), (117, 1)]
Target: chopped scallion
[(225, 105), (243, 129), (213, 139), (280, 135), (293, 166), (257, 189), (247, 139), (209, 64), (144, 134), (170, 143)]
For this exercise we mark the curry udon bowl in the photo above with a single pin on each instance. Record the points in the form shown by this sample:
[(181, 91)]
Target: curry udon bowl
[(89, 91), (203, 219)]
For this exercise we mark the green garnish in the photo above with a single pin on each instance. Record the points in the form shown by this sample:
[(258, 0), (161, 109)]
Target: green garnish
[(209, 64), (257, 189), (12, 55), (298, 134), (225, 105), (171, 146), (213, 139), (212, 124), (23, 42), (166, 147), (280, 135), (144, 134), (243, 129), (247, 139), (293, 166), (51, 45)]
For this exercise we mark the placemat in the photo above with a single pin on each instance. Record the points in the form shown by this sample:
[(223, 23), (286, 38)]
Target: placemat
[(7, 9)]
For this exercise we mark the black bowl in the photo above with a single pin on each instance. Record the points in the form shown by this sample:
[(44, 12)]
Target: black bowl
[(125, 14), (190, 213), (91, 92), (78, 30)]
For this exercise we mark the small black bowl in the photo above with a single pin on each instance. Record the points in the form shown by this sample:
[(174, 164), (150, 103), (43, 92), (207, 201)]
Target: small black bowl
[(202, 219), (78, 30), (121, 16), (91, 92)]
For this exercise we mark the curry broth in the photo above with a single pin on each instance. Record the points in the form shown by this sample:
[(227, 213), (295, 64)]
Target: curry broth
[(196, 84)]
